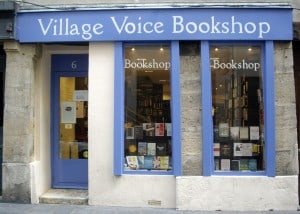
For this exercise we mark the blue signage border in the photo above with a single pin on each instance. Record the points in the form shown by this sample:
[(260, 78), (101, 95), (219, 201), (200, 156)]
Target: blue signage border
[(155, 24)]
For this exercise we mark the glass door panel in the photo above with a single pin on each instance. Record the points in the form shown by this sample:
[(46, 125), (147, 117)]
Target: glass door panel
[(73, 118)]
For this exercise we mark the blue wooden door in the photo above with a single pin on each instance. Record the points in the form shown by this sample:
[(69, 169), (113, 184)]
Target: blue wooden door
[(69, 140)]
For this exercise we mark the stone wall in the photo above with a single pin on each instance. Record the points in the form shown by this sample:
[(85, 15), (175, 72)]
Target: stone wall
[(190, 109), (285, 106), (18, 134)]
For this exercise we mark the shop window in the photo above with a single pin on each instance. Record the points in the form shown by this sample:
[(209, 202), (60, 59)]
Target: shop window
[(145, 142), (240, 109)]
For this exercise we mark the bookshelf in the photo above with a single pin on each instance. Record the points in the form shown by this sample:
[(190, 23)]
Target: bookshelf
[(238, 145), (148, 128)]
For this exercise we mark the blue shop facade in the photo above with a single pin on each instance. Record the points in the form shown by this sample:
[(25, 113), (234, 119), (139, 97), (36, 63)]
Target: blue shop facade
[(160, 107)]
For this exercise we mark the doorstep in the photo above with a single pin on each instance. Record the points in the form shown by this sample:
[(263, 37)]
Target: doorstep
[(65, 196)]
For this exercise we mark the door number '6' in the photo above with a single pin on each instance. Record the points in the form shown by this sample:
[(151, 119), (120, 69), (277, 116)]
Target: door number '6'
[(74, 65)]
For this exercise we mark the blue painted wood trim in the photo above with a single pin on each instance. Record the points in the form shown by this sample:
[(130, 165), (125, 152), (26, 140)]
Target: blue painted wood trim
[(269, 109), (118, 109), (175, 108), (61, 67), (207, 122), (54, 129)]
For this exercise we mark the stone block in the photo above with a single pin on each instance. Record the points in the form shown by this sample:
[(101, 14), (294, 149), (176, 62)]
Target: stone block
[(190, 66), (191, 146), (239, 193), (191, 119), (18, 96), (65, 196), (18, 121), (283, 57), (286, 138), (286, 116), (191, 164), (190, 101), (287, 162), (190, 86), (18, 149), (16, 182), (285, 88)]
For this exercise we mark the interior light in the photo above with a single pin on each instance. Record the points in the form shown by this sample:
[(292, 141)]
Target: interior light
[(161, 49), (216, 49), (249, 49), (133, 49)]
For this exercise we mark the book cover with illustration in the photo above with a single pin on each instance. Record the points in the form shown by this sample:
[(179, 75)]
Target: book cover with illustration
[(151, 148), (159, 129), (156, 162), (164, 162), (235, 165), (252, 164), (141, 162), (223, 130), (234, 132), (132, 162), (225, 149), (225, 164), (161, 149), (138, 132), (148, 162), (216, 149), (168, 129), (142, 148), (132, 149), (149, 129)]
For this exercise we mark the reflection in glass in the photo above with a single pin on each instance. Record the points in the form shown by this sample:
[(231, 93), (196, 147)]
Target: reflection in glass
[(237, 107), (148, 127), (73, 118)]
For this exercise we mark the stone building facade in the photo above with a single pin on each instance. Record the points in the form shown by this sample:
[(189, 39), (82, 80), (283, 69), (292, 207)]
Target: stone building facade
[(27, 140)]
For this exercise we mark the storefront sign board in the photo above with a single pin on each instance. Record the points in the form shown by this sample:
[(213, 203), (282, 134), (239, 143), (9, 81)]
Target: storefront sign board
[(155, 24)]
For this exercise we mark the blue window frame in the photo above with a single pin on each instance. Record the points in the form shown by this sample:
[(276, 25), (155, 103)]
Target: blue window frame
[(119, 112), (267, 61)]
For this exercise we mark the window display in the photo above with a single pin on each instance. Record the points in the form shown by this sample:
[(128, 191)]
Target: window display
[(237, 107), (148, 125)]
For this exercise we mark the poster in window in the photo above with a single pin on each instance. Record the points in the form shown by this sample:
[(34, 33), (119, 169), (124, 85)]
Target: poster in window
[(238, 149), (68, 112), (80, 95)]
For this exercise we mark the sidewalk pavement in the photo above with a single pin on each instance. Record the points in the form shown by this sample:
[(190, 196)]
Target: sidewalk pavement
[(13, 208)]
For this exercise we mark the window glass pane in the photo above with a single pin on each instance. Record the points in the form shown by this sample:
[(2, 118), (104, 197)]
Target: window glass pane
[(237, 104), (147, 140), (73, 118)]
